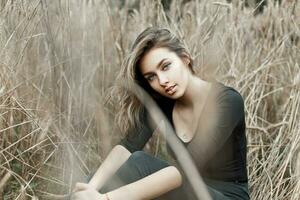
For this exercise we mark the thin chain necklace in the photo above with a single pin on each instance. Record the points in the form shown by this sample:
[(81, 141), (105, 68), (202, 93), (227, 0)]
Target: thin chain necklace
[(185, 135)]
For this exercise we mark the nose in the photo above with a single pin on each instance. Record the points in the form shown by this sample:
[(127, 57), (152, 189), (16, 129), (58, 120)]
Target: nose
[(163, 80)]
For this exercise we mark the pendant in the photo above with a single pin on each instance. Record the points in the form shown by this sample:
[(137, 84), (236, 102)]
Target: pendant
[(184, 136)]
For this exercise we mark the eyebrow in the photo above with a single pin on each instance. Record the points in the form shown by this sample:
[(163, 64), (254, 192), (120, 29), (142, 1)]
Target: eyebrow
[(157, 66)]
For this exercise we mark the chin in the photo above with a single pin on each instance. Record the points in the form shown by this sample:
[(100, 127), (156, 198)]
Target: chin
[(175, 96)]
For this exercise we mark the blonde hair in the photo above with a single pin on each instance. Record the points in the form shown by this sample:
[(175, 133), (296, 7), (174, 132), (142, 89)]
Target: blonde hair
[(129, 109)]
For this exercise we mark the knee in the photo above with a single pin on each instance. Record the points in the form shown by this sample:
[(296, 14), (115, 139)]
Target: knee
[(137, 156), (143, 159)]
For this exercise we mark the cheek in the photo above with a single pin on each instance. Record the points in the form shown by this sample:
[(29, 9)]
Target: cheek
[(178, 71), (185, 71), (156, 87)]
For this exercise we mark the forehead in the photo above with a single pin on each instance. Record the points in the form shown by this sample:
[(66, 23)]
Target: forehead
[(151, 59)]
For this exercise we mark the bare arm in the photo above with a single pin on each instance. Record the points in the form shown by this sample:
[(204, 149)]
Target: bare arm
[(150, 186), (117, 156)]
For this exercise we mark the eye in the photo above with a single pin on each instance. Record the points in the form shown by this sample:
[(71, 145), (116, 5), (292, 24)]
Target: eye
[(165, 67), (150, 78)]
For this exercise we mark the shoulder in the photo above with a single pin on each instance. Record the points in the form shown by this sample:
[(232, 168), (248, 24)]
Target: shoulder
[(225, 93), (229, 106), (227, 98)]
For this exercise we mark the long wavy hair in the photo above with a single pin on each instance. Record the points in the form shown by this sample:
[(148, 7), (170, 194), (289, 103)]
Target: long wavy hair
[(128, 108)]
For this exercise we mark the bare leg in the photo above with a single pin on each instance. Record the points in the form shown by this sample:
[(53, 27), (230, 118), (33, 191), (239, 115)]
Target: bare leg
[(141, 164)]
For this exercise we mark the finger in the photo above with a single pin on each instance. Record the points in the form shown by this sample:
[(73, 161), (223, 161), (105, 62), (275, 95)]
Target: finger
[(80, 187)]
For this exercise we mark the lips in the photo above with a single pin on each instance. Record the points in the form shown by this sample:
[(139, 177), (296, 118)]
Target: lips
[(170, 88)]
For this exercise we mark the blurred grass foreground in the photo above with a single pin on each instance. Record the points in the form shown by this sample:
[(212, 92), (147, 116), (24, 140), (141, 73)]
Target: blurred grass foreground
[(59, 57)]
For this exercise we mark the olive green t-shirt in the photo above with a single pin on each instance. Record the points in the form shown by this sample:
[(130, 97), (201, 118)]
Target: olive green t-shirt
[(219, 146)]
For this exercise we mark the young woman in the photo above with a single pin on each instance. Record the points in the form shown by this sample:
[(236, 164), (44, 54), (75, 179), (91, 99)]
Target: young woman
[(208, 118)]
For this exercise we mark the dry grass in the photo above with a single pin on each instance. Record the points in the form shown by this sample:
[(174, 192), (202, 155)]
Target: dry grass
[(58, 57)]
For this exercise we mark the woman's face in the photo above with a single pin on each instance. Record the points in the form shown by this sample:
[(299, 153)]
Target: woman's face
[(165, 72)]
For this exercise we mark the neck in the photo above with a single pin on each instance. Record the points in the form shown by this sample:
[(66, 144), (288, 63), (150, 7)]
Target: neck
[(196, 91)]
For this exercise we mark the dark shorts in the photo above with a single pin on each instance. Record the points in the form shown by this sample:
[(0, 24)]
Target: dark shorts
[(141, 164)]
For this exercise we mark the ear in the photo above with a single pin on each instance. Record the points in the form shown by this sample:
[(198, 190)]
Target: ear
[(186, 59)]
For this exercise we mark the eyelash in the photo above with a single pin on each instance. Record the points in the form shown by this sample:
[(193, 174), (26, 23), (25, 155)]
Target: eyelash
[(149, 78), (167, 65), (163, 68)]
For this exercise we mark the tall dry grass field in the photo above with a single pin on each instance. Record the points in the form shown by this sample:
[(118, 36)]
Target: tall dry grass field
[(57, 59)]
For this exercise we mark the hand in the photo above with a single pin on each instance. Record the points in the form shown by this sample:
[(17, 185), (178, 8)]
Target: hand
[(83, 191), (82, 186)]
